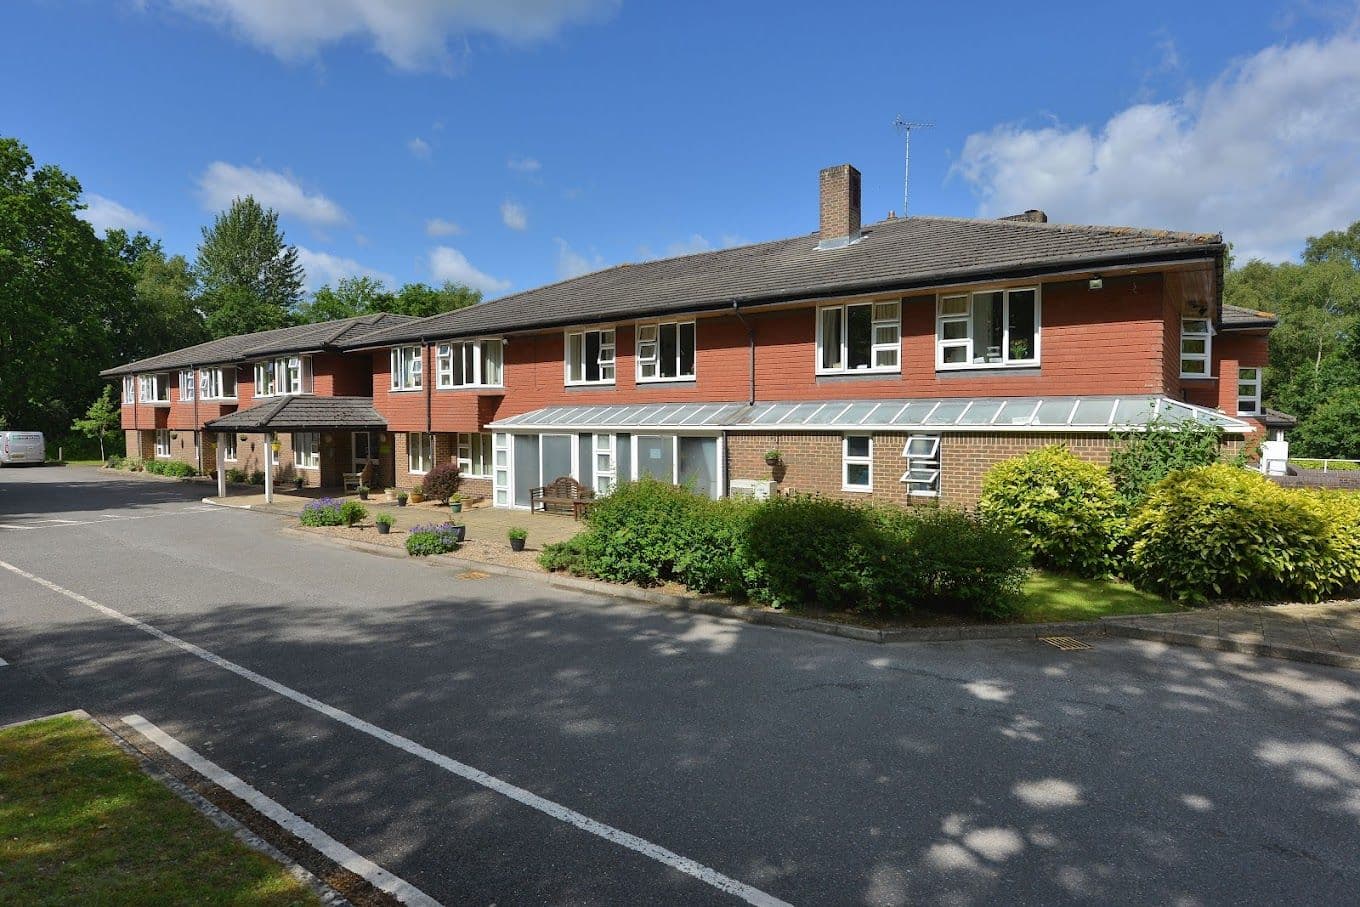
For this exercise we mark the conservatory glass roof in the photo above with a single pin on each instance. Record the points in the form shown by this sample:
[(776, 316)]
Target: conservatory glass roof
[(989, 414)]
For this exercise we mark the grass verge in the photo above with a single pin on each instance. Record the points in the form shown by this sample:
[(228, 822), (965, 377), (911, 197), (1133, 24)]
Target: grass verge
[(81, 823), (1059, 597)]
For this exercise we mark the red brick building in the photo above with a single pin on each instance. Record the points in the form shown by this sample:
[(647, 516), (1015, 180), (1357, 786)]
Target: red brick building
[(894, 361)]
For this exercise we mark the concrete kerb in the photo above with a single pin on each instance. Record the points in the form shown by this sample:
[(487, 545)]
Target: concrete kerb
[(1113, 627)]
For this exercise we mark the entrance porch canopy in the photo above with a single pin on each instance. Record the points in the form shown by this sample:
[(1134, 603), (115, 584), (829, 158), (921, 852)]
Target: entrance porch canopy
[(947, 414), (303, 413)]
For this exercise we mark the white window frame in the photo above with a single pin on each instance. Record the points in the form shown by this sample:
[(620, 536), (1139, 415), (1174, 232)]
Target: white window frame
[(475, 455), (884, 315), (1255, 396), (151, 386), (605, 359), (944, 315), (286, 376), (426, 439), (1205, 358), (847, 461), (604, 463), (129, 388), (407, 368), (162, 450), (925, 461), (306, 449), (212, 383), (501, 472), (229, 447), (479, 360), (186, 384), (647, 344)]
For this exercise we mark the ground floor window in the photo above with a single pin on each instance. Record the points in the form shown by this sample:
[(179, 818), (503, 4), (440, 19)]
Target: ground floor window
[(923, 465), (162, 442), (500, 479), (604, 464), (272, 449), (307, 449), (229, 447), (1248, 391), (857, 463), (474, 455), (419, 452)]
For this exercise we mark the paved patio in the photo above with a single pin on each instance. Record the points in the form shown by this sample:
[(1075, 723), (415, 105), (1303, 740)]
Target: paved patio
[(1326, 633)]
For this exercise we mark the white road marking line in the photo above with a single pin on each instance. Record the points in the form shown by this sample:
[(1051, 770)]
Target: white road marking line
[(289, 821), (557, 811), (48, 523), (52, 519), (16, 528)]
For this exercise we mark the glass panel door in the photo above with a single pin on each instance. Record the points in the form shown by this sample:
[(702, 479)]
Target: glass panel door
[(656, 457), (556, 457), (526, 468), (699, 465)]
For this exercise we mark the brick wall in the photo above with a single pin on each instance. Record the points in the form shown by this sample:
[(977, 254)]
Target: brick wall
[(966, 458)]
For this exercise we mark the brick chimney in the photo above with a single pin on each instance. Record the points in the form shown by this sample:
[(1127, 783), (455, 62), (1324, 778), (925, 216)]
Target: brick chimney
[(839, 206)]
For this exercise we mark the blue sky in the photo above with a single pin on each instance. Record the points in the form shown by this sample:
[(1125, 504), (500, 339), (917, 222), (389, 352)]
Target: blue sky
[(509, 144)]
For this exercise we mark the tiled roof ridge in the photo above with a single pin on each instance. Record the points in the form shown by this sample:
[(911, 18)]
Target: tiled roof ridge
[(1102, 229)]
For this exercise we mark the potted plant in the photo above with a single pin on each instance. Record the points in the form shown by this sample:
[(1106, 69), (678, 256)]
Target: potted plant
[(455, 503), (773, 456), (384, 523), (517, 538), (459, 531), (417, 496), (297, 482), (401, 499), (363, 492)]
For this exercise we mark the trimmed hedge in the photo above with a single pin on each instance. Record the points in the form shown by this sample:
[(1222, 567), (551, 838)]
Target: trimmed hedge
[(1222, 532), (175, 468), (1064, 508)]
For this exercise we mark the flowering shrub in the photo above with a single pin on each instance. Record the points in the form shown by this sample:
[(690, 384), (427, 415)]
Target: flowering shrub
[(431, 538), (322, 512)]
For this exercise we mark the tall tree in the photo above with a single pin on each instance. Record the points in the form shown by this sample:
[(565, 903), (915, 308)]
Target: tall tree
[(422, 300), (249, 278), (102, 418), (352, 296), (165, 316)]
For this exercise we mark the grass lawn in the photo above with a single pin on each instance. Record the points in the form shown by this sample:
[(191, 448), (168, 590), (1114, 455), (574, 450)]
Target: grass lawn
[(1334, 466), (1056, 596), (80, 823)]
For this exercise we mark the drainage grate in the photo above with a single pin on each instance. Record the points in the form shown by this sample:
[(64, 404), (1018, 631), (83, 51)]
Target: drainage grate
[(1066, 643), (473, 574)]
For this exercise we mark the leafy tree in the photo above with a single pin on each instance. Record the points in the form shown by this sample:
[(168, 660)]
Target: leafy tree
[(1335, 245), (165, 315), (422, 300), (1331, 430), (1144, 458), (352, 296), (102, 417), (249, 278)]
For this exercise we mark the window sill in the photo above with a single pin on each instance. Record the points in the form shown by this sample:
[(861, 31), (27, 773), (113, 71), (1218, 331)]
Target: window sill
[(1199, 377), (589, 384), (405, 390), (853, 372), (857, 489), (691, 379), (985, 366), (500, 388)]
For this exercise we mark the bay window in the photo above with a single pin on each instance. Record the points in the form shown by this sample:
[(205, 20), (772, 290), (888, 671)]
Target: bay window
[(861, 337), (1196, 345), (470, 363), (407, 370), (922, 454), (991, 329), (857, 463), (307, 449), (186, 384), (283, 376), (419, 452), (129, 389), (1249, 391), (474, 455), (590, 357), (665, 351), (217, 383)]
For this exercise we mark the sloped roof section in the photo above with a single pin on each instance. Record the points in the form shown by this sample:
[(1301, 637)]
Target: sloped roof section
[(948, 414), (322, 335), (901, 253), (302, 413), (1237, 317)]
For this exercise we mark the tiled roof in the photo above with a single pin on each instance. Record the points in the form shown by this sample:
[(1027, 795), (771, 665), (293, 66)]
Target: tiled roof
[(1235, 316), (302, 413), (900, 253), (321, 335), (1274, 418)]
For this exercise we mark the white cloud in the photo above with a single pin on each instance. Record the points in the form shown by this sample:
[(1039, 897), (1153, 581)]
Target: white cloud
[(222, 183), (412, 34), (438, 226), (524, 164), (419, 147), (571, 263), (323, 267), (1266, 154), (695, 243), (514, 216), (105, 214), (449, 264)]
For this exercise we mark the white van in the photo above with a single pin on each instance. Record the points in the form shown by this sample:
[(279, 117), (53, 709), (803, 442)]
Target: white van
[(22, 447)]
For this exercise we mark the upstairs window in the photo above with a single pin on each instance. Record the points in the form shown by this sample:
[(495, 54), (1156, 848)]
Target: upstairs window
[(1248, 391), (1196, 344), (470, 363), (590, 357), (995, 329), (154, 388), (129, 389), (855, 338), (217, 383), (279, 377), (406, 368), (186, 384), (857, 463), (665, 351), (922, 454)]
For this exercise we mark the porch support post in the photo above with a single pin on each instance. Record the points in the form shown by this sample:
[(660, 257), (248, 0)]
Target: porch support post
[(268, 470), (221, 464)]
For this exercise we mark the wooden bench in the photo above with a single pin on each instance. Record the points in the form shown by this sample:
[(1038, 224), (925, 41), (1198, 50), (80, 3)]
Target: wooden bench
[(352, 480), (562, 494)]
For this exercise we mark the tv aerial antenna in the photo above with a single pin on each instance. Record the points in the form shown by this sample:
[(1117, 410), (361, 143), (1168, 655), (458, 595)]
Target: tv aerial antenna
[(906, 127)]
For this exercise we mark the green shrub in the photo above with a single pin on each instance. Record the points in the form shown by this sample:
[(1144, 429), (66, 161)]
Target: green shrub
[(352, 512), (1223, 532), (322, 512), (441, 482), (175, 468), (1144, 458), (564, 556), (115, 462), (257, 477), (236, 476), (383, 519), (1064, 509), (960, 562), (434, 538), (517, 532), (636, 533)]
